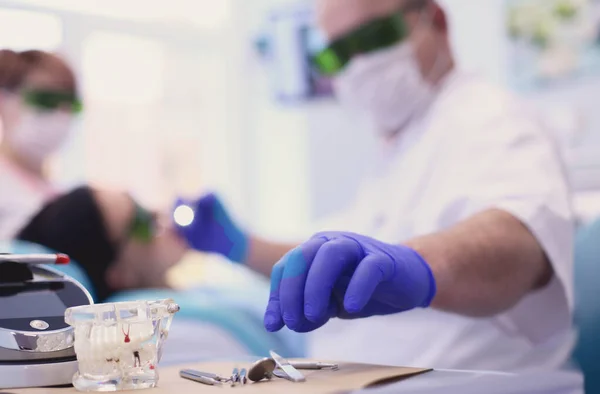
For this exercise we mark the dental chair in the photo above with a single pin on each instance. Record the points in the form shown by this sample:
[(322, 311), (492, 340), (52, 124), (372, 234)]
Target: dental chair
[(587, 304), (215, 322)]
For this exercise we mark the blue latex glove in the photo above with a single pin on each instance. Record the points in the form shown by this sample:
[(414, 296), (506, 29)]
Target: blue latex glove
[(211, 229), (347, 276)]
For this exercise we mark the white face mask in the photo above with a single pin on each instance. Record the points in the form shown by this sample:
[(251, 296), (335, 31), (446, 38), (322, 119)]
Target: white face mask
[(388, 85), (39, 134)]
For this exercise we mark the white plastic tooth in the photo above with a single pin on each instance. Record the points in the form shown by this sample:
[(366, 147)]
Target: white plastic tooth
[(93, 348), (78, 346), (87, 347), (146, 354), (113, 343), (99, 344), (138, 333), (98, 357), (84, 345), (106, 342), (90, 344)]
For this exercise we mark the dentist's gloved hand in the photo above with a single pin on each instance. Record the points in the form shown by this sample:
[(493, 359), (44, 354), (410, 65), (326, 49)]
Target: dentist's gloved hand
[(210, 228), (345, 275)]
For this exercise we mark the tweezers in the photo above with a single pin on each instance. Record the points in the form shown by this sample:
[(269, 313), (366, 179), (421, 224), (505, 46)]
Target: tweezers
[(309, 365), (200, 377)]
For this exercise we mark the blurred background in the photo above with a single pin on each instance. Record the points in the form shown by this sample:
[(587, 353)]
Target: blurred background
[(187, 96)]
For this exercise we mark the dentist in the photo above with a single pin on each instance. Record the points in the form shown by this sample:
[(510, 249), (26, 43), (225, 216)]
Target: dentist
[(457, 255)]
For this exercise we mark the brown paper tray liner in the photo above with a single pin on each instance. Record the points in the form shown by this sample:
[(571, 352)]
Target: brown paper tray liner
[(348, 378)]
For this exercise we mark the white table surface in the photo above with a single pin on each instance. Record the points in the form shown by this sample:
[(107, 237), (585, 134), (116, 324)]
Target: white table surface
[(473, 382)]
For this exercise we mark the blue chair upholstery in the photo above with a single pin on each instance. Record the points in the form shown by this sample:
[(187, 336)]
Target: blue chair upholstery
[(587, 304)]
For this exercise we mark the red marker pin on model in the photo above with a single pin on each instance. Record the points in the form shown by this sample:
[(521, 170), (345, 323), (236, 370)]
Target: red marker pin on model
[(36, 259)]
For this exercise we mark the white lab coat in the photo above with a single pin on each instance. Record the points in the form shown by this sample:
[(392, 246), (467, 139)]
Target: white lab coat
[(477, 148), (21, 197)]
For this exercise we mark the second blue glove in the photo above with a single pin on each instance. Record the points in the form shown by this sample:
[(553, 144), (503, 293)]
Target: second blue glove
[(347, 276), (211, 229)]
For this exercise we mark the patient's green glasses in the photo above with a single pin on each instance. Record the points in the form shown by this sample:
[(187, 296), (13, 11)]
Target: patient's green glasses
[(143, 224)]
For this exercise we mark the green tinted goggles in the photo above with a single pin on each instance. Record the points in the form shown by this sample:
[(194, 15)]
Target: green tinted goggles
[(49, 100), (376, 35), (143, 225)]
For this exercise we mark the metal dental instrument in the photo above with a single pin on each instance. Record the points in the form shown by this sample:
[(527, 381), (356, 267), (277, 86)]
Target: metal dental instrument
[(262, 369), (235, 377), (292, 373), (243, 376), (280, 374), (306, 365), (208, 375), (309, 365), (198, 377)]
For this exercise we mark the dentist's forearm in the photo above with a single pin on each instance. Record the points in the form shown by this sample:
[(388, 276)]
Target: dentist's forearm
[(263, 255), (484, 265)]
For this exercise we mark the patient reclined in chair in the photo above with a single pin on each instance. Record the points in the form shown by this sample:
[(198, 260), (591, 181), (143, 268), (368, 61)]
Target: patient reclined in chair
[(129, 253)]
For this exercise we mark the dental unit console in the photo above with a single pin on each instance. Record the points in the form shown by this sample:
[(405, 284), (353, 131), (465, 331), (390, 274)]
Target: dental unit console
[(36, 345)]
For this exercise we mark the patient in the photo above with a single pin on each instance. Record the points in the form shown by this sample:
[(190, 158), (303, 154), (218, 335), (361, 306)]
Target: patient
[(121, 246), (118, 243)]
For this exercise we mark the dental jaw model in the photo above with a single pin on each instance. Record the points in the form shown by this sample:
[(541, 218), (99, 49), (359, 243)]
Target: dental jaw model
[(119, 345)]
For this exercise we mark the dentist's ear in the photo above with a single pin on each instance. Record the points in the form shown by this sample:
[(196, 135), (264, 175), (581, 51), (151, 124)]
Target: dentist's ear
[(440, 20)]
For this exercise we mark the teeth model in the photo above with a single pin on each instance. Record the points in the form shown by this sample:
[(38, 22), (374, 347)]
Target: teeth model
[(115, 350)]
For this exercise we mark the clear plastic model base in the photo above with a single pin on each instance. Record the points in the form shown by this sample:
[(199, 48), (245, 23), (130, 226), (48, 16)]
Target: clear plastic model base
[(119, 345)]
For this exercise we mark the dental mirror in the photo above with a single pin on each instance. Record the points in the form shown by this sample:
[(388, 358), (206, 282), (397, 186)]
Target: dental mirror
[(262, 369), (280, 374)]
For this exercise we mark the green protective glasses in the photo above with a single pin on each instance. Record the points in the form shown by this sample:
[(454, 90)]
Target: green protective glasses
[(49, 100), (378, 34), (143, 224)]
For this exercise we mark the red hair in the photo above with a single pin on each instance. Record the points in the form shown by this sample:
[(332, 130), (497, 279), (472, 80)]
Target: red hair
[(15, 67)]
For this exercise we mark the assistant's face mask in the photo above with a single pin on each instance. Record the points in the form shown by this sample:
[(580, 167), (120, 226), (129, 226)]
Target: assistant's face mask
[(387, 85), (39, 133)]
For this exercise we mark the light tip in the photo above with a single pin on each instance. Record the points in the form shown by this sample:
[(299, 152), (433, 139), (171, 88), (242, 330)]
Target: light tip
[(184, 215), (62, 259)]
